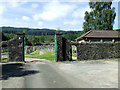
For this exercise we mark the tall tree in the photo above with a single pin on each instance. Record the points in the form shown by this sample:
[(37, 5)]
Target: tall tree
[(101, 16)]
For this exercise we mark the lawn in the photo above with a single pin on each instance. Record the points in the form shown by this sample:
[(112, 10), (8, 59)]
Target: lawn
[(46, 55), (5, 53), (36, 52)]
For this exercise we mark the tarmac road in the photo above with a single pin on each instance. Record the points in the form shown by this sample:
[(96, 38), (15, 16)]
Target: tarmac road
[(45, 74), (50, 76)]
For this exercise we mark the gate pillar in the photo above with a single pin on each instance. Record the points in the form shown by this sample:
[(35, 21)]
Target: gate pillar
[(64, 48), (16, 48)]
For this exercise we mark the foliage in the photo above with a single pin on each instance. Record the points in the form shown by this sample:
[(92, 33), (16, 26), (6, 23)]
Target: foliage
[(118, 30), (38, 32), (71, 36), (7, 36), (38, 36), (36, 40), (101, 17), (58, 31)]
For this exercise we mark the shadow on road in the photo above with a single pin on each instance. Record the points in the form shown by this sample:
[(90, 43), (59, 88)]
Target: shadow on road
[(15, 70)]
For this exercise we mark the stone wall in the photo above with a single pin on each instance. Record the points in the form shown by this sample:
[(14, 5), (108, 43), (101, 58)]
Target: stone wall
[(90, 51), (67, 50)]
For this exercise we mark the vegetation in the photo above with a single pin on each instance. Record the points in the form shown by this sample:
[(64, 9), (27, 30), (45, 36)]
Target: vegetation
[(47, 55), (5, 53), (118, 30), (37, 36), (36, 32), (6, 36), (101, 17), (4, 58), (71, 36), (35, 52), (74, 54)]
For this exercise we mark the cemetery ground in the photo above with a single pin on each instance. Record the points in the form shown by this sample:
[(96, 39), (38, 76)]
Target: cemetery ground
[(41, 73)]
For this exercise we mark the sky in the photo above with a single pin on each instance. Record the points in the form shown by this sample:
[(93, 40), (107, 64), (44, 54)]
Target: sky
[(53, 14)]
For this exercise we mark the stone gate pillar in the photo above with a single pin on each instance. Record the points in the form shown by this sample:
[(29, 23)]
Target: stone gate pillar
[(64, 48), (16, 48), (59, 46), (0, 43)]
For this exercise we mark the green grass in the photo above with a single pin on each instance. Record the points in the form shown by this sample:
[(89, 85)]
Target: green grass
[(4, 58), (35, 52), (4, 53), (46, 52), (74, 54), (44, 56), (47, 55)]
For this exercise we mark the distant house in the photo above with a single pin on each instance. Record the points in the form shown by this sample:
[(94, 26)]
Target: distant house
[(100, 36)]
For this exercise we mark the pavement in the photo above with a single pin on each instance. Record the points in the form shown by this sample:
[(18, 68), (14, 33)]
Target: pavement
[(40, 73)]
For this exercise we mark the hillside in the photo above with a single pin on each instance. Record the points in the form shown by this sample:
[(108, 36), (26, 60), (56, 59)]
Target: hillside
[(31, 31)]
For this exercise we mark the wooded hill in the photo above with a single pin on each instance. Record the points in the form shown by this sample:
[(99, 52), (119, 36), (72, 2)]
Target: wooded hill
[(30, 31)]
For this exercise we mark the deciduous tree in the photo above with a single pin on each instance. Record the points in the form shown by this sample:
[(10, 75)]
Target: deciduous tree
[(101, 16)]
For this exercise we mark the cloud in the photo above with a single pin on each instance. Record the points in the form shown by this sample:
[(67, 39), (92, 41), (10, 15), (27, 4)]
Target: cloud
[(26, 18), (1, 9), (72, 22), (80, 13), (35, 5), (15, 3), (40, 23), (54, 10)]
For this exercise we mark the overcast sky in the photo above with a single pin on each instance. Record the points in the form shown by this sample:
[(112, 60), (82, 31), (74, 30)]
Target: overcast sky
[(53, 14)]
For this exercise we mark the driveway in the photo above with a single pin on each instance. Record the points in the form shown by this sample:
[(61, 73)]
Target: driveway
[(46, 74)]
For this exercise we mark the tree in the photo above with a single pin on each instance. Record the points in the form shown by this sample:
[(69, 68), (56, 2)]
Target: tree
[(6, 37), (71, 36), (101, 17), (42, 38)]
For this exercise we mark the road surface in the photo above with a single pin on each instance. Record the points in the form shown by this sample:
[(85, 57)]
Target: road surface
[(45, 74)]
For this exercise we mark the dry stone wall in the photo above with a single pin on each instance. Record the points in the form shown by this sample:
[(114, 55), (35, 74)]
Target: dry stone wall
[(94, 51)]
